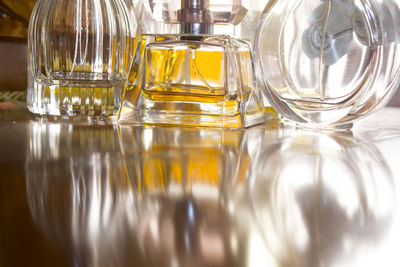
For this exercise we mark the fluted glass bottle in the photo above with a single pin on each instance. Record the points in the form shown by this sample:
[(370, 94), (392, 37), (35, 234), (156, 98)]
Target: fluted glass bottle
[(79, 56)]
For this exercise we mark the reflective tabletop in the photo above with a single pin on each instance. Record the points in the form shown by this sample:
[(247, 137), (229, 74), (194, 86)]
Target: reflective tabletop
[(76, 192)]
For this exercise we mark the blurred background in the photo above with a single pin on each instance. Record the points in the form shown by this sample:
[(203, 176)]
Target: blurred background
[(14, 21)]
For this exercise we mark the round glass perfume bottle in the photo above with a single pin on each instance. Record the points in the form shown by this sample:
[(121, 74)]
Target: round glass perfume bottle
[(79, 56), (328, 62)]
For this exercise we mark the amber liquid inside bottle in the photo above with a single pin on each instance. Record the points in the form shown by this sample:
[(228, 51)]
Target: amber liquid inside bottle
[(182, 72), (197, 80)]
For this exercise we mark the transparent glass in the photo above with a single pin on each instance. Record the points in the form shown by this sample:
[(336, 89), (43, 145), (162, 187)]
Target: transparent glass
[(79, 56), (193, 65), (203, 80), (328, 62), (237, 18), (172, 11)]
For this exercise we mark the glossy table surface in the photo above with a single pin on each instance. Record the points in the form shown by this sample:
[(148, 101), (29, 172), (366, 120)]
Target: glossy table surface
[(84, 193)]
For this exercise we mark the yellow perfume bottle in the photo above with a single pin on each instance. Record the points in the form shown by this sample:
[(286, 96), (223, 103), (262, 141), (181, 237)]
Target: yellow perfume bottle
[(192, 75)]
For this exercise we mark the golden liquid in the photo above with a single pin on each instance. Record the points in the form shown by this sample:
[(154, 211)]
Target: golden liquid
[(63, 100), (187, 75), (78, 79)]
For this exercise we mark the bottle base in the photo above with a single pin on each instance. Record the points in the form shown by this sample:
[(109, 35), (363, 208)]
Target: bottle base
[(73, 100), (226, 115)]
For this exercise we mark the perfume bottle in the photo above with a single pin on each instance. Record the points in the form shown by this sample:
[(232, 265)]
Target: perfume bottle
[(184, 72), (328, 63), (79, 56)]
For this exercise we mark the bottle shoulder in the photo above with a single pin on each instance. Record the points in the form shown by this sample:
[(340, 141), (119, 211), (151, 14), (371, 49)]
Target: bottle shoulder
[(179, 40)]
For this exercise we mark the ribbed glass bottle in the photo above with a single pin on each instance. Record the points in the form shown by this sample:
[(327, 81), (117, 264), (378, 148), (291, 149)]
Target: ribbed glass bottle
[(79, 56)]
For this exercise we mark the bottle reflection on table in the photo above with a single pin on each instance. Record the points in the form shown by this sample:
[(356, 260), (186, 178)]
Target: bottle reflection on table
[(165, 196), (324, 199), (157, 201)]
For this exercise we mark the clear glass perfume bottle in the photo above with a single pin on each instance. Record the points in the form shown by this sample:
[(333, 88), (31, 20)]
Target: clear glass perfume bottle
[(329, 62), (79, 56), (185, 73)]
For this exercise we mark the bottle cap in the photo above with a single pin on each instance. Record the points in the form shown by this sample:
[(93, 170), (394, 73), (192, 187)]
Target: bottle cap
[(232, 17)]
